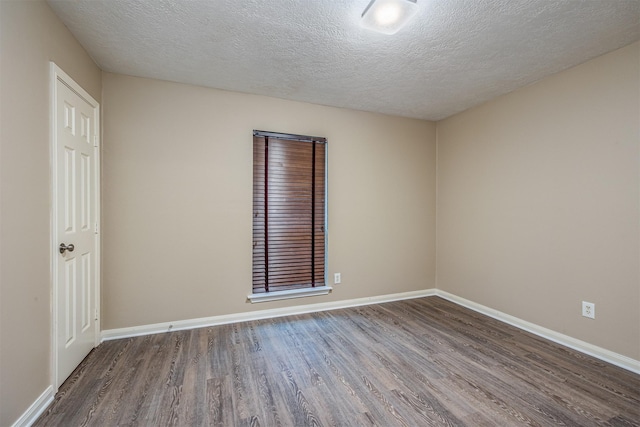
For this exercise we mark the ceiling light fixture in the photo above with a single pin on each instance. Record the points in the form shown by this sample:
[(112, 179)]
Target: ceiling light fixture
[(388, 16)]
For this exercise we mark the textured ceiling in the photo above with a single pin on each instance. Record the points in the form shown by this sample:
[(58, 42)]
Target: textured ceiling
[(453, 55)]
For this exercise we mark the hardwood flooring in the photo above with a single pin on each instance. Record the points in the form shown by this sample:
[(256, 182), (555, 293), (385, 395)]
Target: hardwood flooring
[(421, 362)]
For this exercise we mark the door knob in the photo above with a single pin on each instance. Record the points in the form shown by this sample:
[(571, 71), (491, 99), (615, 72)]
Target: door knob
[(64, 247)]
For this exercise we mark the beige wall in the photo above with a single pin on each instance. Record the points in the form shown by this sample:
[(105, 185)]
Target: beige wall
[(538, 202), (177, 199), (30, 36), (538, 199)]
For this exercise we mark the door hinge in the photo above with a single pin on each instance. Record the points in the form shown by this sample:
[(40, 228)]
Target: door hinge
[(95, 229), (95, 140), (96, 315)]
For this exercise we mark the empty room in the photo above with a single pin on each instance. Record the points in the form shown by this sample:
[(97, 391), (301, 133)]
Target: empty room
[(330, 212)]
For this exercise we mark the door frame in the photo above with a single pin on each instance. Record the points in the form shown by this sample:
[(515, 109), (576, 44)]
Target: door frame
[(57, 74)]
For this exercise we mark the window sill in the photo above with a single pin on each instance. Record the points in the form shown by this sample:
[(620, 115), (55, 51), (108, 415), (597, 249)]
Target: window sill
[(295, 293)]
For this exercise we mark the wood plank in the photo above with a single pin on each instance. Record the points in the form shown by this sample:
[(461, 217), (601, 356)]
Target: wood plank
[(416, 362)]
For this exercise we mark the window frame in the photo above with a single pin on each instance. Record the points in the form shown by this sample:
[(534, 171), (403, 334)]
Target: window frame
[(310, 290)]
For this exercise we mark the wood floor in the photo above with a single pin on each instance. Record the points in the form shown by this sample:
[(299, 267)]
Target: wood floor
[(418, 362)]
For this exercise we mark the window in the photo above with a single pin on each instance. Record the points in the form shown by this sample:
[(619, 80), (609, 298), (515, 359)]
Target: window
[(289, 211)]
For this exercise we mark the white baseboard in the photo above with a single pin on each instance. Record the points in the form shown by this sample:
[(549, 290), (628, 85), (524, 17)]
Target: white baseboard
[(157, 328), (45, 399), (565, 340), (581, 346), (36, 408)]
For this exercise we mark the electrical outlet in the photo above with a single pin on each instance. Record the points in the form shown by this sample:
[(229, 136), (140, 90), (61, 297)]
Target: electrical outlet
[(336, 278), (589, 309)]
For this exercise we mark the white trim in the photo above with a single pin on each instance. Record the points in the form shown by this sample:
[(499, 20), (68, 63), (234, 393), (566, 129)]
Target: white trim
[(293, 293), (565, 340), (57, 74), (36, 409), (112, 334), (578, 345)]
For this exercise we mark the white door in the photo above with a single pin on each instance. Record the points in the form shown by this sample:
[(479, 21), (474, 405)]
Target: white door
[(75, 215)]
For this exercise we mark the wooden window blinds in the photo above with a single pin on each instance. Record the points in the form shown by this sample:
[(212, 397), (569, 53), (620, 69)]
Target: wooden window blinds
[(289, 200)]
